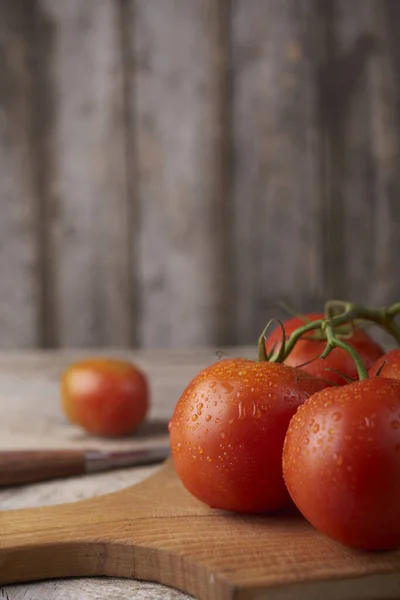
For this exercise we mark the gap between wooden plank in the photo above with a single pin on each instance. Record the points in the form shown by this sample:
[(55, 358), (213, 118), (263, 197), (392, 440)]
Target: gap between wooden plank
[(19, 289)]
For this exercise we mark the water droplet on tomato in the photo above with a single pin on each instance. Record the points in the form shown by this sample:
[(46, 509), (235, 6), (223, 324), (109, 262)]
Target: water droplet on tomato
[(315, 428), (241, 410), (306, 441), (208, 417), (201, 450), (338, 458), (222, 435), (368, 423), (194, 417), (199, 408), (209, 459), (337, 416), (217, 420), (227, 387), (213, 384)]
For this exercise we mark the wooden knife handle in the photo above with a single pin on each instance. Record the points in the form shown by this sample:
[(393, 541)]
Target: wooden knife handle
[(18, 467)]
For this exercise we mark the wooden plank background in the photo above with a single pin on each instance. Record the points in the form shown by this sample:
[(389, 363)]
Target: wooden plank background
[(170, 169)]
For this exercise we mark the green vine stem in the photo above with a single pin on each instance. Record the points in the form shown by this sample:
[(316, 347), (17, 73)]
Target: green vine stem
[(340, 313), (262, 352), (393, 310), (334, 342)]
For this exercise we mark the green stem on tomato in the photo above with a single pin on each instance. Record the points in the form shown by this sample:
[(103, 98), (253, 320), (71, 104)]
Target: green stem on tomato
[(389, 323), (334, 342), (392, 328), (262, 355), (262, 351), (393, 310), (296, 335), (382, 317)]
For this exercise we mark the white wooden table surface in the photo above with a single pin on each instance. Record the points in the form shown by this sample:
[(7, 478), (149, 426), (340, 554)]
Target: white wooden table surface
[(31, 418)]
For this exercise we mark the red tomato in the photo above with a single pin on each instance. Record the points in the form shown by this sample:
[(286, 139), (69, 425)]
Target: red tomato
[(307, 349), (105, 396), (391, 365), (341, 463), (227, 432)]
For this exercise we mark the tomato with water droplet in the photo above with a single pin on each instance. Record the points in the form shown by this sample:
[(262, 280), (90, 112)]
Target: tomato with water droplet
[(341, 463), (231, 456), (307, 349)]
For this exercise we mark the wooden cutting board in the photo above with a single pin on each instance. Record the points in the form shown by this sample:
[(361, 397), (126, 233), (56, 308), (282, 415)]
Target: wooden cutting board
[(156, 531)]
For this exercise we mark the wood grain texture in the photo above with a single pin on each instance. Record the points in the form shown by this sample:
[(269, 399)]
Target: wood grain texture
[(348, 44), (30, 402), (31, 419), (75, 489), (20, 296), (385, 98), (87, 195), (356, 49), (172, 538), (170, 169), (275, 148), (358, 94), (176, 103)]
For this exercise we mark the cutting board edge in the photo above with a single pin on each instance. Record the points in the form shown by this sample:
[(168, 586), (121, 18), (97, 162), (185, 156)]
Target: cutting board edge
[(175, 570), (330, 588)]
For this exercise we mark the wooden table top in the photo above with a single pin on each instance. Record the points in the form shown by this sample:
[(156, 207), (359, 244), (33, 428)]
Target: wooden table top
[(31, 418)]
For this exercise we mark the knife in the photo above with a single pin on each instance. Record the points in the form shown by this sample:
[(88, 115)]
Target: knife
[(18, 467)]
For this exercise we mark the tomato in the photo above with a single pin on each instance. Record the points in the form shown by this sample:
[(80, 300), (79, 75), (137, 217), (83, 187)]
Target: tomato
[(105, 396), (309, 350), (227, 433), (391, 365), (341, 462)]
